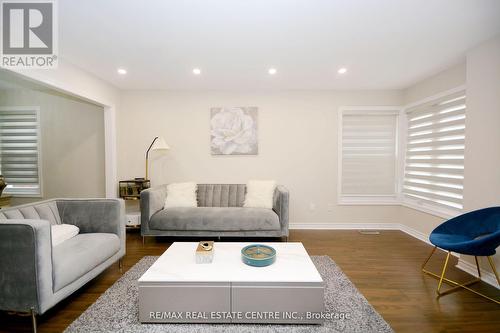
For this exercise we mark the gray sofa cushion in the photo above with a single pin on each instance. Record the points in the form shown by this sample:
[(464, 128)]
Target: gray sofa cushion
[(80, 254), (221, 195), (215, 219)]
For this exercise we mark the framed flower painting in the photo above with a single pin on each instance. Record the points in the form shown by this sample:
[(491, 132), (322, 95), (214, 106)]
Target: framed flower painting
[(233, 131)]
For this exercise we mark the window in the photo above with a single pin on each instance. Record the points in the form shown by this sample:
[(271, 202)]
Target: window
[(434, 166), (20, 150), (368, 155)]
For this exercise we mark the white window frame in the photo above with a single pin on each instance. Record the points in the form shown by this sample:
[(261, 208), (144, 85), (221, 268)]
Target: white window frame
[(17, 193), (413, 203), (382, 199)]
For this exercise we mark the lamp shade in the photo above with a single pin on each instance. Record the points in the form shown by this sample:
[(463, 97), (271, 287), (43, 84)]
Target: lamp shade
[(160, 145)]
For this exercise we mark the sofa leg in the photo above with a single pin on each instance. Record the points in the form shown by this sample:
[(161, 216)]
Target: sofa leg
[(143, 240), (33, 319), (120, 265)]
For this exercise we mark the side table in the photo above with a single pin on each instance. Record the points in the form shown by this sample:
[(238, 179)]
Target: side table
[(5, 201)]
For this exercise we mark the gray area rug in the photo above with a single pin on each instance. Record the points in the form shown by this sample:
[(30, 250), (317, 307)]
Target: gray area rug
[(117, 309)]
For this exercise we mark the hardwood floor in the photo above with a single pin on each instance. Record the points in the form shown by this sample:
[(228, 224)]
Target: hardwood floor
[(385, 268)]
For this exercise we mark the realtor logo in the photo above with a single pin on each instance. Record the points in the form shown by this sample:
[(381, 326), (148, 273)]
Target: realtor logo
[(28, 34)]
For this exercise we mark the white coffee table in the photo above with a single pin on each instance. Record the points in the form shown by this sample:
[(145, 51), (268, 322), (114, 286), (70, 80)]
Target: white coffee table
[(176, 289)]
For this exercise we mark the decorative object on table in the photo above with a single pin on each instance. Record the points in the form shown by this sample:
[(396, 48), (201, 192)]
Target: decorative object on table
[(158, 144), (205, 252), (3, 184), (475, 233), (258, 255), (233, 131), (131, 189)]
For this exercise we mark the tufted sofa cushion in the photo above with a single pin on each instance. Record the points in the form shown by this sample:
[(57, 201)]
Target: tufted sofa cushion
[(221, 195), (42, 211)]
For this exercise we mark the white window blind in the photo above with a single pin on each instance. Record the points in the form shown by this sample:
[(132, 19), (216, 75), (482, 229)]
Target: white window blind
[(19, 150), (434, 166), (368, 153)]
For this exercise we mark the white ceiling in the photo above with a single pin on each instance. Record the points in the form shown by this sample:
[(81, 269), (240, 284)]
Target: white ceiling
[(385, 44)]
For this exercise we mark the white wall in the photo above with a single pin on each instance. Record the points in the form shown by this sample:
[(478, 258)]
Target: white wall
[(72, 143), (445, 80), (482, 163), (297, 145), (482, 149), (71, 80)]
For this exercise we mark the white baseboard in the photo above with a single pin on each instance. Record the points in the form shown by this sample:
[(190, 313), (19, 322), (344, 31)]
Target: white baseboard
[(415, 233), (486, 276), (344, 226)]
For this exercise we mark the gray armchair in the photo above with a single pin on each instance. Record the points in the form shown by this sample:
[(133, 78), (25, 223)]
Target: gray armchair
[(34, 276)]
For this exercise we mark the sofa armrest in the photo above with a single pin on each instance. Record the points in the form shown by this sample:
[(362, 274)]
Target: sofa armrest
[(25, 265), (94, 215), (152, 201), (280, 206)]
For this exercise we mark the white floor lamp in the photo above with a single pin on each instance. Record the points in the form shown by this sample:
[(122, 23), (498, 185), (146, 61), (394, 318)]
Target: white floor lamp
[(158, 144)]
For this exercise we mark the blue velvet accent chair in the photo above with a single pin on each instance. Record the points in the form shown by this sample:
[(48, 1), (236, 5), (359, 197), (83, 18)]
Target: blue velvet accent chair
[(477, 234)]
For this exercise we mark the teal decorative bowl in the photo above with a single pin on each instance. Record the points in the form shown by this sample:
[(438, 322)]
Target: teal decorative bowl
[(258, 255)]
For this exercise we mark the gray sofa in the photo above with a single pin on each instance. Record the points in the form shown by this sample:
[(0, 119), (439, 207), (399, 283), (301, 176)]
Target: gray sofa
[(34, 276), (219, 213)]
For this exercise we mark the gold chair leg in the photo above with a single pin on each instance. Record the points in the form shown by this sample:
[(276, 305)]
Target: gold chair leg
[(492, 264), (477, 265), (120, 265), (442, 274), (428, 258), (456, 285), (441, 277)]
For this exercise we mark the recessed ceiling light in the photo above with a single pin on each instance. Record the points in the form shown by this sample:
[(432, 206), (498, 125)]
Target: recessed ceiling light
[(121, 71), (196, 71), (272, 71), (342, 70)]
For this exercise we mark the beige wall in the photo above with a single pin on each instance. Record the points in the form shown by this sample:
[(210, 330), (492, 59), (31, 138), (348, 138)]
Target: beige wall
[(482, 163), (297, 145), (445, 80), (72, 143), (482, 149)]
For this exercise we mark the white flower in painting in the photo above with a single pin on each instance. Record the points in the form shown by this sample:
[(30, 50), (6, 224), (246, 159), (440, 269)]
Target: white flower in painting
[(233, 132)]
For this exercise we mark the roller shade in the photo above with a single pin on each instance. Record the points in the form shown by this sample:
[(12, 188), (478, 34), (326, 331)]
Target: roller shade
[(434, 165), (19, 149), (368, 153)]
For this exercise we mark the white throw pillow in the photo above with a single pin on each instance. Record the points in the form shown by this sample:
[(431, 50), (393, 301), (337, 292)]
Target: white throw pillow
[(63, 232), (260, 194), (181, 195)]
